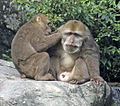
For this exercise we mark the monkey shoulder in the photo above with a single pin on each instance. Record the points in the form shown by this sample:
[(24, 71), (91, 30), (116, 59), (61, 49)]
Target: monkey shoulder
[(90, 45)]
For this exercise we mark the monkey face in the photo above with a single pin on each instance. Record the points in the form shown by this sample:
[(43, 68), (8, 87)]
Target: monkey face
[(48, 29), (74, 33), (72, 42), (44, 22)]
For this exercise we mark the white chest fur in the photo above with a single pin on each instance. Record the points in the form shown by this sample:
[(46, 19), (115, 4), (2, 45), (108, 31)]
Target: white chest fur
[(67, 61)]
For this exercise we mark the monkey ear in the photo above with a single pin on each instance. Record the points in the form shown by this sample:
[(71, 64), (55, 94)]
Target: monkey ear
[(88, 33), (86, 28), (38, 18)]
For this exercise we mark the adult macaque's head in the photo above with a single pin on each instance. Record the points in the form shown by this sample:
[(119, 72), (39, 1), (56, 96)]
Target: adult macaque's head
[(74, 33)]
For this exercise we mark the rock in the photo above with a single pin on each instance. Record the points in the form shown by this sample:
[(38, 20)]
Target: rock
[(116, 95), (15, 91), (10, 20)]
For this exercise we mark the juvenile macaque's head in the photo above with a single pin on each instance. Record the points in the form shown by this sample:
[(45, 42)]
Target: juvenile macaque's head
[(43, 22), (74, 34)]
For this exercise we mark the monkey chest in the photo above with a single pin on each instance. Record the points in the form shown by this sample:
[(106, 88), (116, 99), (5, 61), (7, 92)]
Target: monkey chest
[(67, 62)]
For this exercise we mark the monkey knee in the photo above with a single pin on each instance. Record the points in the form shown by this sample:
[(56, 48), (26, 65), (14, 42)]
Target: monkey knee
[(43, 55), (46, 55), (86, 78)]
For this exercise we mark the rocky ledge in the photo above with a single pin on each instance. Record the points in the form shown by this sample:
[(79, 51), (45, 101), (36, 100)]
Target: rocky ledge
[(15, 91)]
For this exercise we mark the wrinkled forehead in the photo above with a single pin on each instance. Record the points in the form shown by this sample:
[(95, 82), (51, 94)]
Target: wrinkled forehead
[(75, 27)]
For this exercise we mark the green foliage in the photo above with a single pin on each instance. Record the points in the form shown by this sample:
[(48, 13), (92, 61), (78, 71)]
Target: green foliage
[(101, 16), (6, 57)]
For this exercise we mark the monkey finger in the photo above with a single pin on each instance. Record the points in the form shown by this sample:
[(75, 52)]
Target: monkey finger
[(73, 82), (101, 83), (91, 79), (98, 81)]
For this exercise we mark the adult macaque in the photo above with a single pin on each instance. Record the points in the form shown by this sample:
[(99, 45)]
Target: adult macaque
[(28, 49), (76, 59)]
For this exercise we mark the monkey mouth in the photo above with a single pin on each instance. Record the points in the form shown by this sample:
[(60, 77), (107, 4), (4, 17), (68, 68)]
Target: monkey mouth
[(71, 49), (47, 33), (71, 46)]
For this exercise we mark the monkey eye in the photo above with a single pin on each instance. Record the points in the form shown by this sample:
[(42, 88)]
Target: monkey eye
[(76, 34), (68, 33)]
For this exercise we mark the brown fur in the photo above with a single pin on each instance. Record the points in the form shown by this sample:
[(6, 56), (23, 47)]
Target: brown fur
[(28, 49), (81, 65)]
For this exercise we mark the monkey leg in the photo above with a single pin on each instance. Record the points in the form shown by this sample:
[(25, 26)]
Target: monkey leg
[(79, 73), (37, 67), (92, 62), (55, 66)]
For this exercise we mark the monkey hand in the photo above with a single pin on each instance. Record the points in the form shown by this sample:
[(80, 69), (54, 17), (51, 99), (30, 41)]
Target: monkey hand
[(58, 34), (65, 76), (58, 30), (99, 80)]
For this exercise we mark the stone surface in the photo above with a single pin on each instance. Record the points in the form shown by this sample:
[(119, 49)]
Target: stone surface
[(10, 20), (15, 91), (116, 96)]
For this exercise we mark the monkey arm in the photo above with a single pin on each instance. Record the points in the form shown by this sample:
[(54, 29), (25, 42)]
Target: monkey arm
[(45, 42), (92, 61), (91, 56)]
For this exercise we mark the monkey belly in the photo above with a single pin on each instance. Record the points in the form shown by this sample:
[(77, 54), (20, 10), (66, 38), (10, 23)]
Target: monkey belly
[(67, 62)]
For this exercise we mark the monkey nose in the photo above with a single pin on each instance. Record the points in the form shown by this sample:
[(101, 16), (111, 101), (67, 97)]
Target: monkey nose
[(70, 43)]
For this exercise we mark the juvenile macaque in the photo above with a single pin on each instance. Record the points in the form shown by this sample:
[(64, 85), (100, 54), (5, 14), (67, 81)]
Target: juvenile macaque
[(28, 49), (76, 59)]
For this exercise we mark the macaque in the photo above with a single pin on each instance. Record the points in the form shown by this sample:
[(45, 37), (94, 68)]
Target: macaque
[(28, 49), (76, 58)]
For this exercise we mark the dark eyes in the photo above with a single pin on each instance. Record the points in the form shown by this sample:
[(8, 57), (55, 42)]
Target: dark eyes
[(76, 34), (69, 33)]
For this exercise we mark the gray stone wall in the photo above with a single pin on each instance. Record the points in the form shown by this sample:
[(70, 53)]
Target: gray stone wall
[(10, 20), (15, 91)]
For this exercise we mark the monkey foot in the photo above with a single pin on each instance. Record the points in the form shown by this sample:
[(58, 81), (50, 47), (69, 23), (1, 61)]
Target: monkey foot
[(78, 82), (73, 82), (47, 77), (23, 76), (99, 80)]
